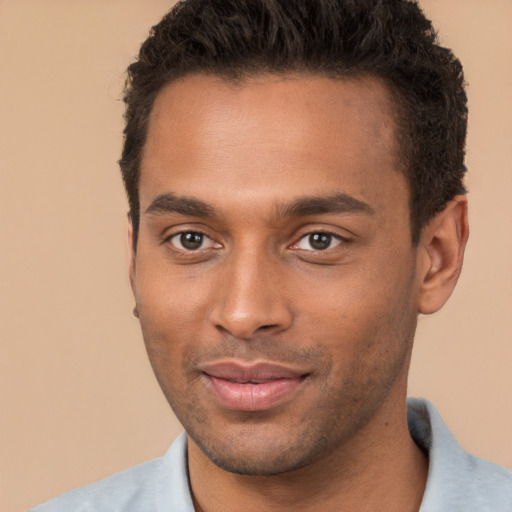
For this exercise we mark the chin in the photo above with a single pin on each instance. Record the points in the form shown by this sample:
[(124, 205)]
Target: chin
[(254, 454), (254, 465)]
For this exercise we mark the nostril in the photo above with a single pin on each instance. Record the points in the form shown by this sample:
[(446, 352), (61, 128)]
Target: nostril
[(266, 327)]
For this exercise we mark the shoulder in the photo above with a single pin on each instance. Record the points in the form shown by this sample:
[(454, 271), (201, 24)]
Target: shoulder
[(457, 480), (117, 492), (151, 486)]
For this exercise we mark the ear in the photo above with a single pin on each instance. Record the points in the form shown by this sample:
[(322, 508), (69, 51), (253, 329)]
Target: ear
[(131, 254), (441, 249)]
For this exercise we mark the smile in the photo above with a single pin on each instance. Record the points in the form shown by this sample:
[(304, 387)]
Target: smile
[(256, 387)]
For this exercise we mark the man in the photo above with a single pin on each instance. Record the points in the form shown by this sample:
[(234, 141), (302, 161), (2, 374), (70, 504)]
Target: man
[(294, 173)]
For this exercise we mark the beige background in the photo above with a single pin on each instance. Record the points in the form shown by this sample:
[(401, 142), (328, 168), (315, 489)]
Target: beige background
[(78, 398)]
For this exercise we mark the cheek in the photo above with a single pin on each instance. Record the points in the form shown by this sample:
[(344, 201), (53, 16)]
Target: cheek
[(171, 311), (363, 314), (169, 295)]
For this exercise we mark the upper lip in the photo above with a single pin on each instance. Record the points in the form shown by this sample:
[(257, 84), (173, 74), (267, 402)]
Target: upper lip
[(238, 371)]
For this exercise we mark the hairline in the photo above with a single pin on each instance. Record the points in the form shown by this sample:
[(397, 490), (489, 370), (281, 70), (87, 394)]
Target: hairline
[(240, 77)]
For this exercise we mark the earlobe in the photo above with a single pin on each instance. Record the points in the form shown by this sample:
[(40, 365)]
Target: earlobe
[(442, 246)]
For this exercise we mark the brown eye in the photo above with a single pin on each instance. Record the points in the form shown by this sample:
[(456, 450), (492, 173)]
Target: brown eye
[(191, 241), (318, 242)]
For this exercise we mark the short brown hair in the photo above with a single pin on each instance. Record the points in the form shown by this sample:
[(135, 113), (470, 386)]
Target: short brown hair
[(391, 39)]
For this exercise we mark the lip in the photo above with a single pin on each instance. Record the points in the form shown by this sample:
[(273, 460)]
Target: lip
[(252, 387)]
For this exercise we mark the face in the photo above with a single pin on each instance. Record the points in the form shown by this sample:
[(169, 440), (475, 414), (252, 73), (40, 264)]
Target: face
[(274, 274)]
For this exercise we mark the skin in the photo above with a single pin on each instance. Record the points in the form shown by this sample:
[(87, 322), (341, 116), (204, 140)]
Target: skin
[(249, 172)]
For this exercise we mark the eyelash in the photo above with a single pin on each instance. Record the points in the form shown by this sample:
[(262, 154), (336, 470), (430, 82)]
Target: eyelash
[(333, 237), (204, 236)]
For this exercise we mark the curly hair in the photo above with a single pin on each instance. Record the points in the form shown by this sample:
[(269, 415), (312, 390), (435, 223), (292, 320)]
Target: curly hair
[(389, 39)]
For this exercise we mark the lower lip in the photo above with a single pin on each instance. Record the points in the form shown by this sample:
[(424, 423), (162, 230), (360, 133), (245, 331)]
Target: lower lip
[(254, 397)]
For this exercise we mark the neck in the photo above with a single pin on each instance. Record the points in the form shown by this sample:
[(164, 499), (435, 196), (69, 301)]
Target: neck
[(380, 469)]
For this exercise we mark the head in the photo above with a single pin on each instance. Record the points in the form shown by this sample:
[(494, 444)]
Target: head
[(389, 39), (293, 170)]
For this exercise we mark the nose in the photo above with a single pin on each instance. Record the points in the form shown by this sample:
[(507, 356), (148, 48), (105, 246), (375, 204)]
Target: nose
[(250, 297)]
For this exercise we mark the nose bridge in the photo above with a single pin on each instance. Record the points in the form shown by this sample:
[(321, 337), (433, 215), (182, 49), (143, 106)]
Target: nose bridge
[(250, 294)]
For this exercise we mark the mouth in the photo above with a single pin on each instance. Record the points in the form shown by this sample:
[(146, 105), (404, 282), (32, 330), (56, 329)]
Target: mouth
[(252, 387)]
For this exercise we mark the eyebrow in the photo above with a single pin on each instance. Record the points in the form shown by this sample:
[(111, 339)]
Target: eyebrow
[(336, 203), (301, 207), (170, 203)]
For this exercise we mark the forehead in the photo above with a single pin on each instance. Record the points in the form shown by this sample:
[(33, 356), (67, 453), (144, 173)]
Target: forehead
[(308, 133)]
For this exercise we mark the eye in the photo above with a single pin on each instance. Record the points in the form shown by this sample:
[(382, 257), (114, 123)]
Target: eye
[(318, 242), (191, 241)]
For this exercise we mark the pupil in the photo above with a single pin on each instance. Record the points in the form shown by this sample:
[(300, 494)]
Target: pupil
[(320, 241), (191, 240)]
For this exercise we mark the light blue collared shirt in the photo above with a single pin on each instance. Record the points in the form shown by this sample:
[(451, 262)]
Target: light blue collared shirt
[(457, 481)]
